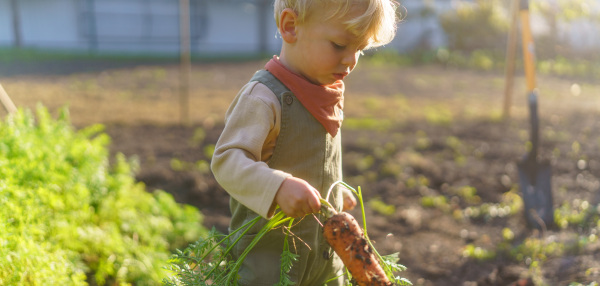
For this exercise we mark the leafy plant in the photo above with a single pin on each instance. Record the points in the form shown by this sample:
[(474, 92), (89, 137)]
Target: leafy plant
[(477, 252), (579, 284), (381, 207), (68, 217)]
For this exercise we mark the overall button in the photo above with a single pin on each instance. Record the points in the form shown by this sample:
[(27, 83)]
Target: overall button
[(288, 99)]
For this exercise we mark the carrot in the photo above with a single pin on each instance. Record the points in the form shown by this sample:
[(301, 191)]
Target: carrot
[(347, 239)]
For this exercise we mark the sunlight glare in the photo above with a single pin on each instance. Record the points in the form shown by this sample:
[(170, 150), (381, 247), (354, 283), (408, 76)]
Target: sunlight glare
[(575, 89)]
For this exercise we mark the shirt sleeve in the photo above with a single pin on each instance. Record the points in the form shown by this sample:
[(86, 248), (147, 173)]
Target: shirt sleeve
[(237, 163)]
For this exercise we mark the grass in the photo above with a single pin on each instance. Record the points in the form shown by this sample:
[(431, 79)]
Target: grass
[(8, 55), (478, 60), (485, 60)]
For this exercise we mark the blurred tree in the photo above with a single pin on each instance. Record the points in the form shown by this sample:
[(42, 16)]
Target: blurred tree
[(565, 10), (472, 26), (560, 11)]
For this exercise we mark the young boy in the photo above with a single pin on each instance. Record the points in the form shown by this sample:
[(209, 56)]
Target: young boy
[(281, 145)]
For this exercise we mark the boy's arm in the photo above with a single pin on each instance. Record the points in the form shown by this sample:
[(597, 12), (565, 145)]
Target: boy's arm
[(237, 162)]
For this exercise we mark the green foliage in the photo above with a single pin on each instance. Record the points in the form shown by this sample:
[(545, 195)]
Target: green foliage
[(209, 150), (438, 115), (477, 252), (579, 284), (469, 194), (473, 26), (389, 262), (198, 138), (562, 66), (423, 141), (481, 60), (381, 207), (510, 204), (287, 260), (66, 214), (568, 10), (535, 251), (579, 213), (208, 260), (188, 263), (391, 266), (440, 202)]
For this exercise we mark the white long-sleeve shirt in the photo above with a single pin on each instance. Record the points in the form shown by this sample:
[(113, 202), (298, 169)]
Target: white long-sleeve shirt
[(239, 163)]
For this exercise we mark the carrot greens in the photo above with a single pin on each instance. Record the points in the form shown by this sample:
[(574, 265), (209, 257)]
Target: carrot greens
[(209, 261)]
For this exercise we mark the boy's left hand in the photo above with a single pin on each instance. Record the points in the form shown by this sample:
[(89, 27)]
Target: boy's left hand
[(349, 199)]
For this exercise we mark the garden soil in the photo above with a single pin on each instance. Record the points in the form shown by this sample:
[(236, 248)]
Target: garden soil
[(414, 139)]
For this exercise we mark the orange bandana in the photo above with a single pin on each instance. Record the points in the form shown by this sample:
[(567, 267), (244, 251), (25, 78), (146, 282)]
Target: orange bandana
[(324, 102)]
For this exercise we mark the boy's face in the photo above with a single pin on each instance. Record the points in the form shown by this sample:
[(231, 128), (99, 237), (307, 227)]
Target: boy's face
[(324, 50)]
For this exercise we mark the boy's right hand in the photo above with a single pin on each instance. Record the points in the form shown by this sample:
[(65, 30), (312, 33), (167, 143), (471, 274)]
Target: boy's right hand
[(297, 198)]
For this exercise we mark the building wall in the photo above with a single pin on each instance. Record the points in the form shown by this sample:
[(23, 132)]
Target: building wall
[(234, 27), (49, 24), (146, 26), (44, 24), (218, 26), (6, 38), (417, 31)]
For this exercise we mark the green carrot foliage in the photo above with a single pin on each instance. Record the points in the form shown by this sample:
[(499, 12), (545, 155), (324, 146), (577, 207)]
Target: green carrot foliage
[(68, 217), (207, 262)]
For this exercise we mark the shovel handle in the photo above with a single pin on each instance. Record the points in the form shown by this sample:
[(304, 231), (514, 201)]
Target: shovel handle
[(528, 45)]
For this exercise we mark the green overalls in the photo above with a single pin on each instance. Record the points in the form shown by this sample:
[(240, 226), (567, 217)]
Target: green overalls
[(305, 150)]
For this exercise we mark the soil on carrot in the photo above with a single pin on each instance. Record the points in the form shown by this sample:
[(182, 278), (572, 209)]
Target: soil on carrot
[(427, 145)]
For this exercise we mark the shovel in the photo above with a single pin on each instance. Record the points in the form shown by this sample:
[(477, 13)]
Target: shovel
[(534, 176)]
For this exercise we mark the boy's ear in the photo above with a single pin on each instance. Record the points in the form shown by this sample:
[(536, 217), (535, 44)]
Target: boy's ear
[(287, 25)]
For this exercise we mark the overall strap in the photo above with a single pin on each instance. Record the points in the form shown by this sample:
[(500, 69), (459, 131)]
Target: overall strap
[(268, 79)]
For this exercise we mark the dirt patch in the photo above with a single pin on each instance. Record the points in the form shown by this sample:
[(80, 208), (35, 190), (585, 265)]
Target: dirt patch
[(411, 134)]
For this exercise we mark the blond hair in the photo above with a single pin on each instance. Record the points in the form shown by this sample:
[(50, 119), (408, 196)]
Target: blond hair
[(377, 23)]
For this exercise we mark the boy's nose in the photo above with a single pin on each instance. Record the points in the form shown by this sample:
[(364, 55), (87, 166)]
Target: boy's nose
[(350, 60)]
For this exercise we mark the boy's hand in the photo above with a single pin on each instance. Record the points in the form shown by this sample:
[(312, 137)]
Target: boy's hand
[(349, 199), (297, 198)]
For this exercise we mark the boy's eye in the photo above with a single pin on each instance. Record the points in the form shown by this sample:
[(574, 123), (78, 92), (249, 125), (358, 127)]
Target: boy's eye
[(338, 46)]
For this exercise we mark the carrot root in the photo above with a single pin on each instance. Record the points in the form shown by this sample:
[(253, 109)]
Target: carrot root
[(347, 239)]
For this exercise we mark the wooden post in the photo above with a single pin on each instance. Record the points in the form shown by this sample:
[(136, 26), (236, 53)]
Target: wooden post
[(509, 69), (91, 28), (6, 102), (16, 17), (185, 61)]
